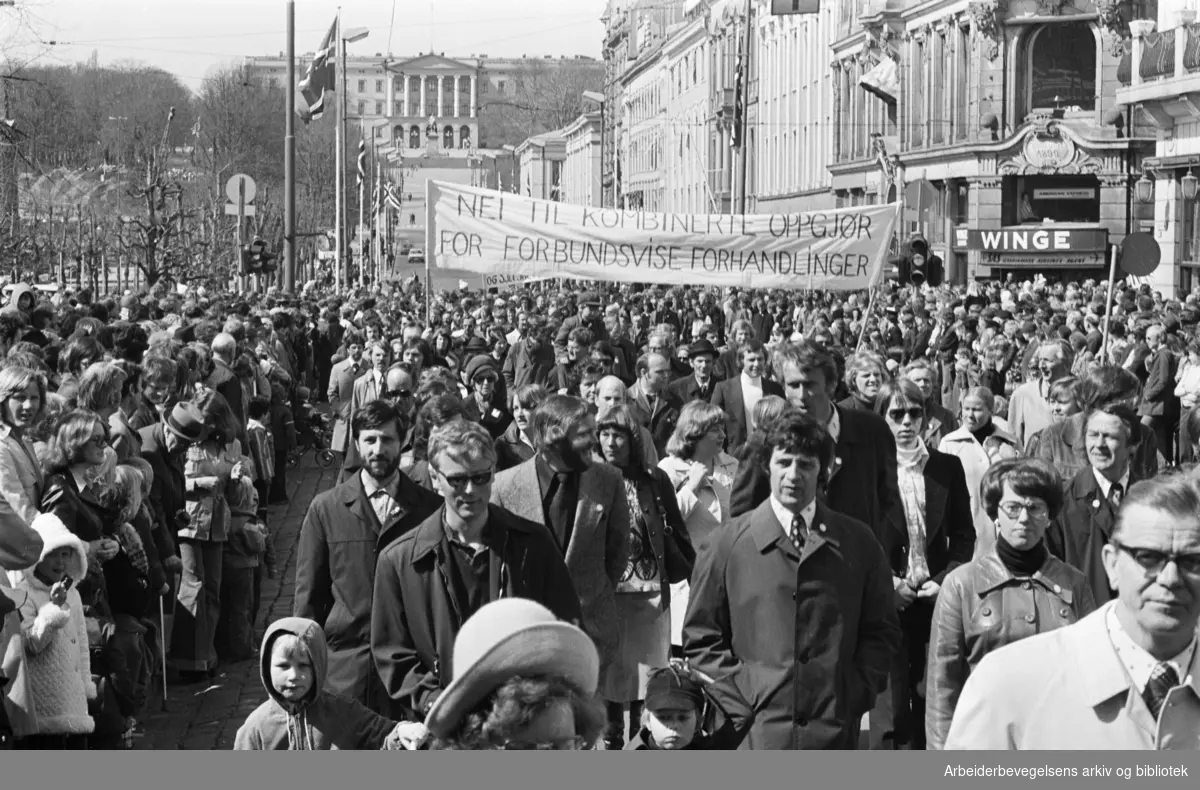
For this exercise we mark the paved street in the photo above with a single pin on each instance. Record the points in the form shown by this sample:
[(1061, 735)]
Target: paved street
[(206, 716)]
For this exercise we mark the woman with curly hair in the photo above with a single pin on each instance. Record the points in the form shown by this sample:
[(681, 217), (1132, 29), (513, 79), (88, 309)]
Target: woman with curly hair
[(523, 681), (866, 372)]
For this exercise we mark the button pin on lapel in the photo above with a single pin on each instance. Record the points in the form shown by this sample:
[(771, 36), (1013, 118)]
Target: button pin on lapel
[(1096, 503), (821, 528)]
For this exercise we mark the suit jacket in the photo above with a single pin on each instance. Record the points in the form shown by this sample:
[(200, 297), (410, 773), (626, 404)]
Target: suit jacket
[(599, 545), (1083, 526), (728, 396), (335, 575), (949, 533), (861, 481), (802, 641), (1067, 689), (660, 420), (687, 389), (1158, 396), (417, 617), (341, 390)]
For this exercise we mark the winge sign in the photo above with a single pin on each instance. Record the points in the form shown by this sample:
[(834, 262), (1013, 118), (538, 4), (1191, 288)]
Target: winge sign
[(505, 235)]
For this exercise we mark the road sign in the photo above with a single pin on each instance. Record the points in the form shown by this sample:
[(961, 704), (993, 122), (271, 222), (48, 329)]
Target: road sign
[(231, 188), (326, 255), (1140, 254), (232, 210)]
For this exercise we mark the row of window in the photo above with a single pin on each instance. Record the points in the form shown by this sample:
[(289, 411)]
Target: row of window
[(416, 136)]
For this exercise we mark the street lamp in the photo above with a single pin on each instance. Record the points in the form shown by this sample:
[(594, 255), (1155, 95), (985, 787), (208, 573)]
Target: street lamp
[(598, 98)]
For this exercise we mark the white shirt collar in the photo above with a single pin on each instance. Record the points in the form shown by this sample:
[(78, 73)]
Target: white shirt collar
[(1139, 663), (755, 382), (1106, 484), (785, 516), (834, 426)]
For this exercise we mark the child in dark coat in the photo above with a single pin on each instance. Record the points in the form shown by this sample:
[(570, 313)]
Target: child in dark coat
[(671, 718)]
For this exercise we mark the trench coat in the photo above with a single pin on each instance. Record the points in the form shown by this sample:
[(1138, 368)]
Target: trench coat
[(801, 641)]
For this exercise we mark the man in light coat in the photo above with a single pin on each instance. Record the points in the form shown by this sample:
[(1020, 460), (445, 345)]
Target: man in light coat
[(341, 389), (1126, 676)]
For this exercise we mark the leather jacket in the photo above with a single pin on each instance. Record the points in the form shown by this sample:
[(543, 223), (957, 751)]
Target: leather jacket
[(982, 606)]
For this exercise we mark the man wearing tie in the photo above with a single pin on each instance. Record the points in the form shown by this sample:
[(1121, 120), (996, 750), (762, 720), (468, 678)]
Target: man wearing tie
[(338, 543), (582, 503), (1126, 676), (370, 386)]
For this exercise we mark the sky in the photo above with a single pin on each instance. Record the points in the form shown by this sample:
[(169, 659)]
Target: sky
[(190, 37)]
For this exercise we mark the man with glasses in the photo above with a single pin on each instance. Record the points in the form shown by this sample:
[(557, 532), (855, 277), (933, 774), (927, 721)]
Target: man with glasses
[(1126, 676), (338, 543), (1092, 499), (466, 554)]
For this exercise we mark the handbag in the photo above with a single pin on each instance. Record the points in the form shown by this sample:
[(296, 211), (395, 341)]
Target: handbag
[(679, 555)]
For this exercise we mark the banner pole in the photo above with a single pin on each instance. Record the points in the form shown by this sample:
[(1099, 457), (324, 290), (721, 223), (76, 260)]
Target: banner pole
[(862, 332), (429, 253), (1112, 283)]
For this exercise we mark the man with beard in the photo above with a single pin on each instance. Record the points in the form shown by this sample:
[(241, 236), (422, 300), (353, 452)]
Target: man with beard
[(467, 554), (338, 544), (582, 503)]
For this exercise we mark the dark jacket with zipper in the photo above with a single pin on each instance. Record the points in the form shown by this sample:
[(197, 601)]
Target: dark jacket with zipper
[(417, 616)]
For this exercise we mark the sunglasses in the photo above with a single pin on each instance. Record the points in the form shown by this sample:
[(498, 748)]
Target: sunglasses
[(460, 481), (913, 412), (400, 393)]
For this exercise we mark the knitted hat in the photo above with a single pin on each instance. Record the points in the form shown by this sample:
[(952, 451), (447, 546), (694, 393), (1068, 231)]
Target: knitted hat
[(480, 363)]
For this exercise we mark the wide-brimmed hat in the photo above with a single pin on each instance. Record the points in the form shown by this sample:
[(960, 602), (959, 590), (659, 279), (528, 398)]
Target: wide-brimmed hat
[(186, 421), (505, 639), (701, 347)]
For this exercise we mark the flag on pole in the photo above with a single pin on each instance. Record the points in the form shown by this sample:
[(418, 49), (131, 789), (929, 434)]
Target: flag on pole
[(739, 100), (321, 76), (392, 195), (362, 161)]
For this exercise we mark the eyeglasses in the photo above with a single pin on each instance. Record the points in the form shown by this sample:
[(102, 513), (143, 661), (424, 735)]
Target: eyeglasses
[(913, 412), (482, 379), (561, 745), (1154, 561), (1036, 510), (460, 481), (400, 393)]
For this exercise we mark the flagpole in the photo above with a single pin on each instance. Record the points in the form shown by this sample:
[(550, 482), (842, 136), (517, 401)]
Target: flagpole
[(742, 157), (289, 159), (339, 230), (362, 185)]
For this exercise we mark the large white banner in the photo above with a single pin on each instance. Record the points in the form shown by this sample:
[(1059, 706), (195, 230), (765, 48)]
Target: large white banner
[(505, 235)]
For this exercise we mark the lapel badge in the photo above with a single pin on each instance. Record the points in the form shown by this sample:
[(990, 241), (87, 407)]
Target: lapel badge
[(1096, 504)]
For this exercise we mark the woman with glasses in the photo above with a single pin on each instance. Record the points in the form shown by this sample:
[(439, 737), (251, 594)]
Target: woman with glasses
[(1015, 590), (643, 593), (931, 534)]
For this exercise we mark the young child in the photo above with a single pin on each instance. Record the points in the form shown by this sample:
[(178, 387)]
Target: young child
[(300, 714), (261, 445), (55, 638), (671, 717), (243, 553)]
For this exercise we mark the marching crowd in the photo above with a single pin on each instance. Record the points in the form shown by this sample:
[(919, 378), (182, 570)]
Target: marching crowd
[(622, 517)]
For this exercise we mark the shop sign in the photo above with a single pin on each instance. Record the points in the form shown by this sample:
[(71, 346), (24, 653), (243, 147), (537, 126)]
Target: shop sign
[(1064, 194), (1037, 239), (1081, 260)]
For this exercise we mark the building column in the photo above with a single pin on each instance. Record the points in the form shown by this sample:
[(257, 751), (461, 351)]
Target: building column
[(474, 93), (407, 109), (455, 113), (440, 93), (422, 113), (391, 96)]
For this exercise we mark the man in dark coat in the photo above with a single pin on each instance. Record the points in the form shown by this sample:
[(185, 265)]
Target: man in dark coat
[(703, 379), (791, 608), (588, 317), (465, 555), (1160, 405), (737, 395), (338, 544), (652, 402), (226, 382), (862, 478)]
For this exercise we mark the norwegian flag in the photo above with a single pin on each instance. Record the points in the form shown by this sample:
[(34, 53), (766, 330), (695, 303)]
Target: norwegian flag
[(321, 76), (392, 195), (362, 161), (739, 99)]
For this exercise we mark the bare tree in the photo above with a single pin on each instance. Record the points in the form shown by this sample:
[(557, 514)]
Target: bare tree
[(546, 95)]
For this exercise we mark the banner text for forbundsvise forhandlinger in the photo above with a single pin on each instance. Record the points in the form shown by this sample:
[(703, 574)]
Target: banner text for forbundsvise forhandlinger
[(508, 235)]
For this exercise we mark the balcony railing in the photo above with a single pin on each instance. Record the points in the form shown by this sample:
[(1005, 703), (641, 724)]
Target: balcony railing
[(1166, 54)]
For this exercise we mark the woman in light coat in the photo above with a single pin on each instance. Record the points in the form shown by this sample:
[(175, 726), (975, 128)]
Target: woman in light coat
[(702, 474), (979, 443), (22, 402)]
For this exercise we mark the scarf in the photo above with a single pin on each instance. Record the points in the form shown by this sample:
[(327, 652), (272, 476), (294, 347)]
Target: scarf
[(1021, 562)]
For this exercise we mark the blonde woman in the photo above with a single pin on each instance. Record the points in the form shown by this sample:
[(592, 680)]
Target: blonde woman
[(702, 475), (22, 403), (866, 372)]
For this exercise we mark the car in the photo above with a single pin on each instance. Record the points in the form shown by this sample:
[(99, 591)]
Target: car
[(416, 256)]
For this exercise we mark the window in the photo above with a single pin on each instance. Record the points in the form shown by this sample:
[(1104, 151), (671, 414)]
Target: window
[(362, 107), (962, 82), (379, 108), (500, 85), (274, 82), (398, 108), (414, 137), (1062, 67), (937, 115), (962, 203), (362, 86), (379, 86), (917, 121)]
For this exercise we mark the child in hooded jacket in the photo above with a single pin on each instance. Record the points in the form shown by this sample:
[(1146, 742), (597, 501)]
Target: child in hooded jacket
[(300, 714), (56, 655)]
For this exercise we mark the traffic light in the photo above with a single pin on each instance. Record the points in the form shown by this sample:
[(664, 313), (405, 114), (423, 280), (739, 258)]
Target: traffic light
[(920, 266), (247, 259), (256, 259)]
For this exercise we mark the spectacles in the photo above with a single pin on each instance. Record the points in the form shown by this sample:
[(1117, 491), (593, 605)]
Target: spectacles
[(460, 481), (1037, 510), (913, 412), (1154, 561), (400, 393), (482, 379), (561, 745)]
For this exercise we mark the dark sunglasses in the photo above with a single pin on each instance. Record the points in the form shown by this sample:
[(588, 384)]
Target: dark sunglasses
[(897, 415), (460, 481), (399, 393)]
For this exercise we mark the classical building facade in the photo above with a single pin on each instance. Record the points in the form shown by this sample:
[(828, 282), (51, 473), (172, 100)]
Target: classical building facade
[(580, 183)]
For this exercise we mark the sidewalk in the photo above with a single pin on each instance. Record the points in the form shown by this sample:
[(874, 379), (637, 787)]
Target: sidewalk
[(206, 716)]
